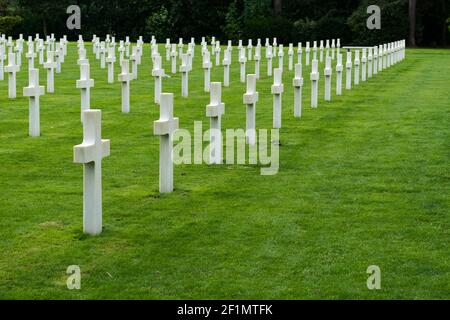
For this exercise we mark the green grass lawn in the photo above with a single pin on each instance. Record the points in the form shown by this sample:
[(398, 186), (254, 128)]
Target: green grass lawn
[(363, 180)]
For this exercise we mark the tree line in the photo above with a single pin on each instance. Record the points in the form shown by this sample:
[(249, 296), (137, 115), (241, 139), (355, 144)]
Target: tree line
[(422, 23)]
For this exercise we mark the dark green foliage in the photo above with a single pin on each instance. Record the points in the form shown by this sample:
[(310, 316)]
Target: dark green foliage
[(8, 23)]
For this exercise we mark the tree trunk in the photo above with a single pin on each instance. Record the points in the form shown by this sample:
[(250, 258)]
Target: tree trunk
[(412, 23), (278, 7)]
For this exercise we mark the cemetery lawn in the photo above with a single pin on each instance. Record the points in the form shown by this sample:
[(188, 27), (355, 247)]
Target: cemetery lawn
[(363, 180)]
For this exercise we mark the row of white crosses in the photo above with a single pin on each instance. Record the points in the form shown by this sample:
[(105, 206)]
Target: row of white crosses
[(15, 58), (94, 149)]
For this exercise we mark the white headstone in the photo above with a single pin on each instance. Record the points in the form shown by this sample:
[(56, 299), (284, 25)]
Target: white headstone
[(50, 65), (125, 77), (242, 61), (110, 60), (290, 56), (11, 69), (277, 90), (321, 51), (226, 67), (314, 83), (250, 49), (364, 65), (269, 56), (158, 73), (348, 71), (184, 69), (298, 87), (168, 46), (257, 61), (217, 53), (2, 62), (333, 47), (339, 70), (370, 63), (85, 83), (327, 73), (307, 50), (90, 153), (356, 67), (34, 91), (30, 55), (250, 99), (134, 63), (280, 57), (207, 71), (164, 127), (174, 55), (214, 110)]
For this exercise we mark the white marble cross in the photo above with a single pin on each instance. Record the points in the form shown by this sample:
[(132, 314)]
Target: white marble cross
[(321, 51), (375, 60), (277, 89), (348, 72), (127, 47), (174, 54), (327, 48), (125, 77), (134, 63), (41, 49), (184, 69), (82, 57), (333, 47), (290, 56), (217, 53), (139, 52), (2, 62), (280, 57), (250, 99), (339, 70), (370, 63), (121, 51), (242, 61), (18, 51), (356, 67), (257, 59), (85, 83), (307, 51), (315, 50), (299, 53), (34, 91), (327, 73), (102, 55), (180, 47), (168, 46), (250, 49), (110, 60), (50, 65), (91, 153), (380, 58), (269, 56), (30, 55), (314, 83), (207, 71), (164, 127), (58, 55), (11, 69), (214, 111), (226, 67), (158, 73), (298, 86), (364, 65)]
